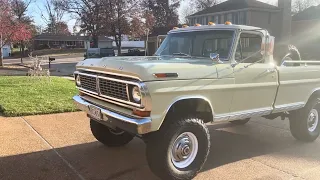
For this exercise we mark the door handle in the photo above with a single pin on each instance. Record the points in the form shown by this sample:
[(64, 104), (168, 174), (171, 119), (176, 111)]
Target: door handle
[(271, 70)]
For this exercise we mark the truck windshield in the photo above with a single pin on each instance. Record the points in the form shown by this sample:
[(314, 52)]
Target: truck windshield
[(197, 44)]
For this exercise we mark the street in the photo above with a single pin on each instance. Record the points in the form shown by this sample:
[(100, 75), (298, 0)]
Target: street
[(62, 66), (60, 146)]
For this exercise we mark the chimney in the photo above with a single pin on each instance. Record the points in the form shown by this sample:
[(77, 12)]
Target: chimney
[(286, 20)]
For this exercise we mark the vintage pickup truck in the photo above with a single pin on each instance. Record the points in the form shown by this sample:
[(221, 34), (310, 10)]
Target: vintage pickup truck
[(199, 75)]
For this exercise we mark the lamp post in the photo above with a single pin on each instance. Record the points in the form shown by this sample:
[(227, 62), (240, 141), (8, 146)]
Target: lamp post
[(145, 53)]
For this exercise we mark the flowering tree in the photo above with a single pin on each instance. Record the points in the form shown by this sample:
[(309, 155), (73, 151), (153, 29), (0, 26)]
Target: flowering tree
[(11, 30)]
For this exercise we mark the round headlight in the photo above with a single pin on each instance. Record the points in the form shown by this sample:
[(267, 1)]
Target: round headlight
[(136, 95), (78, 80)]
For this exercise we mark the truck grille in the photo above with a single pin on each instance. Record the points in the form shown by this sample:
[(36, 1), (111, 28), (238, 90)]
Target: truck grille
[(88, 83), (113, 89), (108, 87)]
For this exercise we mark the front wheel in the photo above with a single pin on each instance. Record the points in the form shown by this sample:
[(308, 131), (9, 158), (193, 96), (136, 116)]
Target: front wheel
[(179, 149), (109, 137), (304, 123)]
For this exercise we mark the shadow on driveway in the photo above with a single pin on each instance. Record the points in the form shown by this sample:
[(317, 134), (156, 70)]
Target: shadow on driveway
[(95, 161)]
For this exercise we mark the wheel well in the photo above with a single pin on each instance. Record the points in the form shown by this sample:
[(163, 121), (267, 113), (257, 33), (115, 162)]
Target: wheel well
[(197, 106), (314, 94)]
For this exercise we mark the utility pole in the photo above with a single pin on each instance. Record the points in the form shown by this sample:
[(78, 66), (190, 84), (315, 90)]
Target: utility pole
[(147, 42)]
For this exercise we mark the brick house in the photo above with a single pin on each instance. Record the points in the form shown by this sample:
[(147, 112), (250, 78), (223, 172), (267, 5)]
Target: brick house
[(276, 19)]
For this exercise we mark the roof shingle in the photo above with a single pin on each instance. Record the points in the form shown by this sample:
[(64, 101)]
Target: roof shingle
[(59, 37), (235, 5)]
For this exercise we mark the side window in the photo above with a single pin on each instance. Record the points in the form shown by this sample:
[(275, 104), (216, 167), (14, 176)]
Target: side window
[(180, 45), (248, 48)]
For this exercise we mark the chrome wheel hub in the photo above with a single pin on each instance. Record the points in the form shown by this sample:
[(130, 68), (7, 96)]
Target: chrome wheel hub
[(116, 131), (313, 120), (184, 150)]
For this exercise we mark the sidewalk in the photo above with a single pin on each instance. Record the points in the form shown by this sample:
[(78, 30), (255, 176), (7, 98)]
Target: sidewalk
[(60, 146)]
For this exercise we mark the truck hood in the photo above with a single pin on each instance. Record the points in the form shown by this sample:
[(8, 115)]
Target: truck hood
[(144, 68)]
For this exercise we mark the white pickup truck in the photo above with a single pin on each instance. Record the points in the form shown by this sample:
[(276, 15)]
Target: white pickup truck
[(199, 75)]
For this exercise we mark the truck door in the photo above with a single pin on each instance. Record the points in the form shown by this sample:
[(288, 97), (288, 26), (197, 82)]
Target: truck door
[(256, 82)]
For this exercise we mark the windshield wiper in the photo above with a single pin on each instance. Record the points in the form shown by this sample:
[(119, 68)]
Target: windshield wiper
[(181, 54)]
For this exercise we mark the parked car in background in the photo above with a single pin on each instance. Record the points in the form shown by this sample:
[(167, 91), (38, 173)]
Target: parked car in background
[(135, 52), (99, 53)]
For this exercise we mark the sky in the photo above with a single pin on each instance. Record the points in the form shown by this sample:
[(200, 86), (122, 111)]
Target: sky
[(37, 6)]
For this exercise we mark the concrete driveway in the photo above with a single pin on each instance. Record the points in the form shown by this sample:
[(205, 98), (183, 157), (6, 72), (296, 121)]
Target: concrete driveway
[(61, 146)]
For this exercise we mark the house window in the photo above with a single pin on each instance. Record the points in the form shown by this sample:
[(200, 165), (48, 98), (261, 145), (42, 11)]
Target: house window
[(81, 44), (243, 18), (206, 21), (199, 20), (71, 43), (43, 42), (218, 19), (212, 19), (55, 42), (229, 17), (235, 18)]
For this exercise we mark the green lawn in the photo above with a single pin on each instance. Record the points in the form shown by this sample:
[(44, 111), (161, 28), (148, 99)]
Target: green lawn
[(22, 95)]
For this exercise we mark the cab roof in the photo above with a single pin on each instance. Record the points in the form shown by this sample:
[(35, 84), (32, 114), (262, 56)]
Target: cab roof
[(212, 27)]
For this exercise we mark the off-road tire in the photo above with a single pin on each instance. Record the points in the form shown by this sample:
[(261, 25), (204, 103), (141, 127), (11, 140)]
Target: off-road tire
[(240, 122), (159, 148), (109, 137), (299, 120)]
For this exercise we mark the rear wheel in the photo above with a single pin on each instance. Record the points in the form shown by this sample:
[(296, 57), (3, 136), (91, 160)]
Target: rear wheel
[(109, 137), (179, 149), (240, 122), (304, 123)]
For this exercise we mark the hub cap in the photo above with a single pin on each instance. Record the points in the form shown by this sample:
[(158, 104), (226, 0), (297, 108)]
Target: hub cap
[(313, 120), (184, 150), (116, 131)]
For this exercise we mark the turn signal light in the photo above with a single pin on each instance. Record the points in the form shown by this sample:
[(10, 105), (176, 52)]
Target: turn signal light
[(141, 113)]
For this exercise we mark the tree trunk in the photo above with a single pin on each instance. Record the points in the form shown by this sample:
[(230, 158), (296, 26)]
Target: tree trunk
[(21, 52), (95, 41), (1, 58), (119, 45)]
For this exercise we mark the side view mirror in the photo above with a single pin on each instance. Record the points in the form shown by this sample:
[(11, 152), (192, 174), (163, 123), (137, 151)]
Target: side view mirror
[(215, 58)]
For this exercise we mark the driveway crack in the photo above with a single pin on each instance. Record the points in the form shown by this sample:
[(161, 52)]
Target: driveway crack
[(294, 175), (53, 149)]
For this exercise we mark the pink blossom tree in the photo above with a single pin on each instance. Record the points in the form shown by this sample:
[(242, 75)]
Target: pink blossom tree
[(11, 30)]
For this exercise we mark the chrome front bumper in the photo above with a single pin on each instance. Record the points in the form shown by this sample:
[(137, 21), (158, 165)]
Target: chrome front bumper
[(112, 119)]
